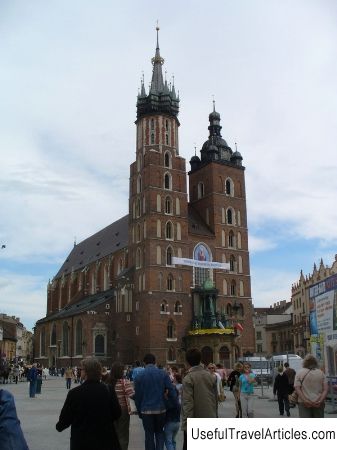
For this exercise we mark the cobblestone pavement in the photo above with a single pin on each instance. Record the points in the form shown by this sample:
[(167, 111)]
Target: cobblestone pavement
[(38, 416)]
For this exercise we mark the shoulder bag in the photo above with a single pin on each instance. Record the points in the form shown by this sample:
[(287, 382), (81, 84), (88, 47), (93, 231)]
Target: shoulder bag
[(293, 397)]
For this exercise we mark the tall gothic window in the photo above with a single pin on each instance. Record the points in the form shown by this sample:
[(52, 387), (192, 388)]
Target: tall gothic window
[(43, 342), (78, 339), (170, 329), (167, 181), (167, 159), (229, 216), (168, 205), (170, 282), (169, 230), (99, 345), (65, 340), (169, 256), (53, 335)]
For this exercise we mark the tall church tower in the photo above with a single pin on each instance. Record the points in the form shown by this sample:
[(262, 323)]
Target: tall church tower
[(158, 222)]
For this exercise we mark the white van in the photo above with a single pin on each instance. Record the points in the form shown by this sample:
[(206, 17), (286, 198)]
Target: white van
[(260, 367), (295, 362)]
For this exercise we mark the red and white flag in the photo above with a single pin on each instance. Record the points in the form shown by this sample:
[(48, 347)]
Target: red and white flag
[(238, 326)]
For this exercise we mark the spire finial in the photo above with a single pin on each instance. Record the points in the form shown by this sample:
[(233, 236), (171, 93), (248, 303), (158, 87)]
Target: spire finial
[(157, 28), (195, 149), (213, 103), (236, 147)]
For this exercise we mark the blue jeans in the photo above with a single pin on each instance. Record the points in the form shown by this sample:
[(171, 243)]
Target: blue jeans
[(68, 383), (32, 388), (171, 430), (153, 425)]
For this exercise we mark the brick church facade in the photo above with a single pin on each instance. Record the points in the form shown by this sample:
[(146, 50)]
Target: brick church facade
[(120, 293)]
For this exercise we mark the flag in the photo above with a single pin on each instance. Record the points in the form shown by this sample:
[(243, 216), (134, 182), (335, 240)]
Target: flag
[(238, 326)]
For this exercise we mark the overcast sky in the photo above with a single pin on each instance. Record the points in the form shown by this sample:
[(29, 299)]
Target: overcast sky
[(69, 75)]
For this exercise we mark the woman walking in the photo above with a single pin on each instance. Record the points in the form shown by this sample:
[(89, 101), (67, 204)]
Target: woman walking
[(234, 387), (124, 390), (247, 380)]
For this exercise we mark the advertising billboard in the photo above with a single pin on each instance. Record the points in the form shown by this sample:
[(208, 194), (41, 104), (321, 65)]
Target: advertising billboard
[(323, 322)]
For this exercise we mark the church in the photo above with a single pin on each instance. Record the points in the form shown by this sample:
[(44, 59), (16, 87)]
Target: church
[(172, 274)]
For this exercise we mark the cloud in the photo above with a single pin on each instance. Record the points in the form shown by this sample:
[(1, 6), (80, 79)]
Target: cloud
[(23, 296)]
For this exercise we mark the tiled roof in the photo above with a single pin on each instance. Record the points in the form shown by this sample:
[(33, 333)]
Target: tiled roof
[(103, 243), (85, 304)]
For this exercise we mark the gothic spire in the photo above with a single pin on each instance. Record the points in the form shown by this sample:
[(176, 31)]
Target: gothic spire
[(157, 83)]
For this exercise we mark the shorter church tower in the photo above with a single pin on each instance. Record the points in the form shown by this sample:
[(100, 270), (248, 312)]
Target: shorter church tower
[(218, 197)]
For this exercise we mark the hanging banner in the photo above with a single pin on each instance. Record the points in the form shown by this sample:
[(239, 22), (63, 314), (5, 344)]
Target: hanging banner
[(201, 264)]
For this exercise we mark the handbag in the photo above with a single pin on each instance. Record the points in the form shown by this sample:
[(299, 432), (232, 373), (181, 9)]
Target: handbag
[(293, 397), (221, 397)]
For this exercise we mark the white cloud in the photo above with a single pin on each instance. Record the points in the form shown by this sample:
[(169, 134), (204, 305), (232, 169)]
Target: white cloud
[(23, 296)]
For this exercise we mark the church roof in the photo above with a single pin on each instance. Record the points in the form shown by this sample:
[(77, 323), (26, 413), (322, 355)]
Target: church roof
[(85, 304), (105, 242)]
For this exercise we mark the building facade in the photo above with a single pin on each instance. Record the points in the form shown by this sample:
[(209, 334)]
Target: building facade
[(122, 293)]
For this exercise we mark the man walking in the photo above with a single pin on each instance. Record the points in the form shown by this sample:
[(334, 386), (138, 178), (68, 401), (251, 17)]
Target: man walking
[(291, 376), (32, 378), (151, 385), (199, 391)]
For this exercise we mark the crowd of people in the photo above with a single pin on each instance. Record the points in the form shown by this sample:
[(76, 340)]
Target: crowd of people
[(98, 410)]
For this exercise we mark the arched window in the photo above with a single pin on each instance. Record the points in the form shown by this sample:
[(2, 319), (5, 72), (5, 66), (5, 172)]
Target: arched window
[(177, 206), (232, 263), (229, 310), (167, 159), (168, 205), (139, 162), (78, 338), (201, 190), (177, 307), (138, 207), (170, 282), (139, 184), (99, 345), (164, 307), (229, 216), (138, 234), (138, 258), (160, 281), (241, 311), (170, 330), (167, 181), (43, 342), (239, 240), (229, 187), (169, 230), (158, 254), (224, 285), (178, 231), (231, 241), (53, 335), (65, 339), (152, 124), (233, 288), (169, 256), (158, 203), (171, 354)]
